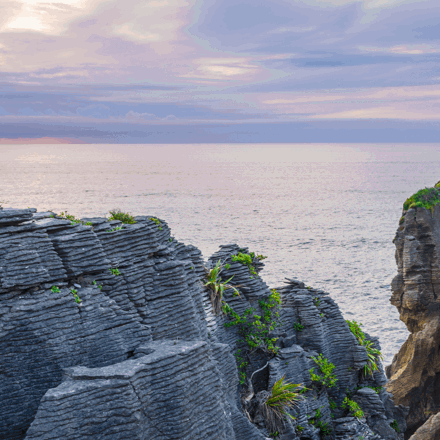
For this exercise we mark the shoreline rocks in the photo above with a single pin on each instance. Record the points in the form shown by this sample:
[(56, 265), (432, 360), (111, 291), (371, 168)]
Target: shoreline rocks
[(107, 331)]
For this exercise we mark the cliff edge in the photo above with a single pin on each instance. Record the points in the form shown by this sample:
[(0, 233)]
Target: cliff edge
[(415, 371)]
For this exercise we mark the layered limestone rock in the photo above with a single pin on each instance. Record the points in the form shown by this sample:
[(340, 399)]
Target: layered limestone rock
[(415, 371), (108, 332)]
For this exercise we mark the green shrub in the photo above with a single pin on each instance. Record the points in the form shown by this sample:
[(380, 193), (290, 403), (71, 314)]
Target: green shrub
[(257, 257), (425, 198), (353, 408), (395, 425), (115, 271), (124, 217), (298, 326), (328, 379), (255, 330), (245, 259), (373, 353), (55, 289)]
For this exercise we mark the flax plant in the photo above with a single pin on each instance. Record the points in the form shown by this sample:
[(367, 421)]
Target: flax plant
[(217, 287), (284, 395)]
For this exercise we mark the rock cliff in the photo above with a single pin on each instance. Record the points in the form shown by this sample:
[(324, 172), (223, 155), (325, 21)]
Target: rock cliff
[(107, 331), (415, 371)]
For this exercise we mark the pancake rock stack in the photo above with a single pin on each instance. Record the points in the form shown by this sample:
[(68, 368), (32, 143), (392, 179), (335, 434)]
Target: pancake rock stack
[(107, 331), (415, 370)]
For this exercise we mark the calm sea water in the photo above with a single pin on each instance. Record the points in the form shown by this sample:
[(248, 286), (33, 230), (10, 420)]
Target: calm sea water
[(325, 214)]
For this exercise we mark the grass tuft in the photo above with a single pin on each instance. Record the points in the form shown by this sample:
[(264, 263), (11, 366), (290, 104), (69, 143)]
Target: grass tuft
[(124, 217)]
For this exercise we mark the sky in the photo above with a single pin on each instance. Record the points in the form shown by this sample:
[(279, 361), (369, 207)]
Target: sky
[(188, 71)]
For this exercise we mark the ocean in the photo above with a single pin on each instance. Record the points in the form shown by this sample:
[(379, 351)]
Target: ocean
[(325, 214)]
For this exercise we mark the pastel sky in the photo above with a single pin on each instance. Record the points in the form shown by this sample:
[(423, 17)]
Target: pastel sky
[(220, 70)]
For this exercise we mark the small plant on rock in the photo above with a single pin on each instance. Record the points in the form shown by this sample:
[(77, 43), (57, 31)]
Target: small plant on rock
[(255, 330), (395, 425), (73, 220), (283, 396), (157, 221), (298, 327), (245, 259), (373, 353), (353, 408), (327, 379), (75, 295), (217, 287), (318, 423), (117, 228), (115, 271), (124, 217), (55, 289)]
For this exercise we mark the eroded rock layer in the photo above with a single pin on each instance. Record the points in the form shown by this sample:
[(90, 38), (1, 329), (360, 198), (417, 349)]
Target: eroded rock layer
[(415, 370), (108, 332)]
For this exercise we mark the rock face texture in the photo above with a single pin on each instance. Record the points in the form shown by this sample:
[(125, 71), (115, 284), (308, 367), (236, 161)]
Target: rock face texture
[(430, 430), (108, 332), (415, 371)]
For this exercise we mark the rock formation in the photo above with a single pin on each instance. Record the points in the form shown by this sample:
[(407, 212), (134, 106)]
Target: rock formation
[(415, 371), (108, 332), (430, 430)]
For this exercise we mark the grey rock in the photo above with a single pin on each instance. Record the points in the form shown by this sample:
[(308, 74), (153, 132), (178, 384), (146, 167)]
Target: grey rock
[(139, 353)]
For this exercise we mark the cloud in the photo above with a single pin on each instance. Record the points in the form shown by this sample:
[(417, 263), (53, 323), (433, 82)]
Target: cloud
[(227, 62), (132, 116)]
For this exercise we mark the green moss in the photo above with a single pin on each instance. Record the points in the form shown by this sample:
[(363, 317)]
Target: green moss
[(425, 198)]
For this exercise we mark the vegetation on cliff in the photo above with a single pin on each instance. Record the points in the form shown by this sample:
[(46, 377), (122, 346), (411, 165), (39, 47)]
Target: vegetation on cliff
[(425, 198), (283, 396), (373, 353)]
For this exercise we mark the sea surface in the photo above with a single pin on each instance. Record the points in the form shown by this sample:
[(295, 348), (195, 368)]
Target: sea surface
[(325, 214)]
